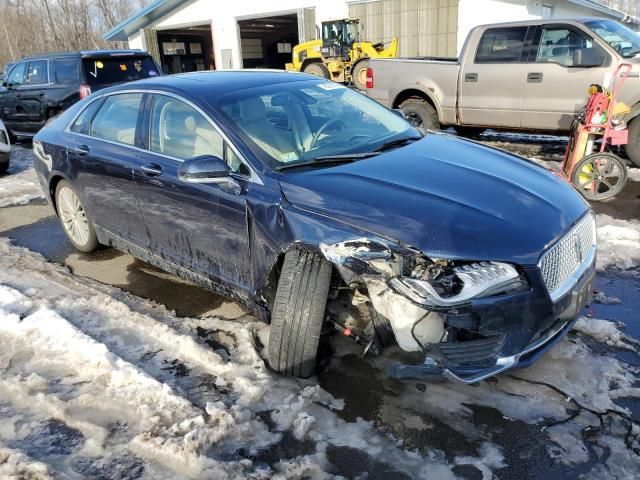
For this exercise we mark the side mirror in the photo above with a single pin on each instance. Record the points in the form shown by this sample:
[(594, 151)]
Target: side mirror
[(587, 58), (208, 169)]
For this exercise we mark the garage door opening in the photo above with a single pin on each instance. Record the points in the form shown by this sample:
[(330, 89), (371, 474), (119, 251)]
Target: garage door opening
[(186, 49), (267, 41)]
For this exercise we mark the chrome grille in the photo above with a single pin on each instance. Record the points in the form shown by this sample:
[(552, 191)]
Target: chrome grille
[(562, 260)]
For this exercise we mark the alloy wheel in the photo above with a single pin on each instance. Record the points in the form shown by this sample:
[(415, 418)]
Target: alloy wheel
[(74, 218)]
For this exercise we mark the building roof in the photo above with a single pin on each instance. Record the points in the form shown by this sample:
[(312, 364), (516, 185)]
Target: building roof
[(154, 11)]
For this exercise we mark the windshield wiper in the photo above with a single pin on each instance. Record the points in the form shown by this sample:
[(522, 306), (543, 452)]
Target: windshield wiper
[(400, 142), (328, 159)]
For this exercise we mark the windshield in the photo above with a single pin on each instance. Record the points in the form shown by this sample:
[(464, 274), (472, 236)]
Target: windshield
[(293, 122), (107, 71), (624, 40)]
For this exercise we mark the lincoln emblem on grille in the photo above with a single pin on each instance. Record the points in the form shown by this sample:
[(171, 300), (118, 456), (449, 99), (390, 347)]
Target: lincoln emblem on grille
[(578, 245)]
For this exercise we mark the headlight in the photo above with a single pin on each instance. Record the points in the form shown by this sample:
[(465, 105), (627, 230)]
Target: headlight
[(459, 284), (3, 138)]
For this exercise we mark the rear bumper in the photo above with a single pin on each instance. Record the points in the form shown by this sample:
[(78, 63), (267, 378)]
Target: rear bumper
[(517, 346)]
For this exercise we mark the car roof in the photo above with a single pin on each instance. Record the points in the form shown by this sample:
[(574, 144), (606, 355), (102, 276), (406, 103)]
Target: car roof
[(546, 21), (84, 54), (215, 82)]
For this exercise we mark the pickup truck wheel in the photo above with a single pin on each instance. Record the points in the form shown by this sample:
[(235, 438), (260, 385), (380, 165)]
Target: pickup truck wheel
[(318, 69), (298, 313), (633, 147), (420, 114)]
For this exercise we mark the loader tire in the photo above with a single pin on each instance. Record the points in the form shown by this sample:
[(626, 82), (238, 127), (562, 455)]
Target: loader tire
[(318, 69), (298, 313), (420, 114), (359, 74)]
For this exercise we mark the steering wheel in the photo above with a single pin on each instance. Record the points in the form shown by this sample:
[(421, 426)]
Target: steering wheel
[(325, 126)]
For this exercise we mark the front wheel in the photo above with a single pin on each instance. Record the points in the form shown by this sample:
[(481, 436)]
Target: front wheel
[(318, 69), (298, 313), (600, 176), (74, 219), (633, 146), (359, 74)]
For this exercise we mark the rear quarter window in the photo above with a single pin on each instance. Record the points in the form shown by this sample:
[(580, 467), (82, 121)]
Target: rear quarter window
[(65, 71), (501, 45), (107, 71)]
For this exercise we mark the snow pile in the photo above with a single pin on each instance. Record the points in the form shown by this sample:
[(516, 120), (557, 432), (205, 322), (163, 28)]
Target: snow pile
[(135, 387), (20, 185), (618, 242), (15, 465), (604, 331)]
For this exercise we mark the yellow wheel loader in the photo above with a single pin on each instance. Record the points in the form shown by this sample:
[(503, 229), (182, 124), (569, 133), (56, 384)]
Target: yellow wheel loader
[(340, 55)]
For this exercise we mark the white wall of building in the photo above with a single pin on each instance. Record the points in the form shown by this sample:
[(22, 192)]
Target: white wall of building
[(223, 17), (472, 13)]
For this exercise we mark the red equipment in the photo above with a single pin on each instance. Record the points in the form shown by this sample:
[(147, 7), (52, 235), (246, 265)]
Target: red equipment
[(595, 172)]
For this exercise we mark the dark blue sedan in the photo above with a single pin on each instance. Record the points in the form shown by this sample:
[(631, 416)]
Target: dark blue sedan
[(282, 190)]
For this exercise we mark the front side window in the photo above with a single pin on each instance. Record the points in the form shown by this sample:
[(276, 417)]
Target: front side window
[(300, 121), (117, 118), (624, 40), (501, 45), (16, 77), (559, 45), (37, 73)]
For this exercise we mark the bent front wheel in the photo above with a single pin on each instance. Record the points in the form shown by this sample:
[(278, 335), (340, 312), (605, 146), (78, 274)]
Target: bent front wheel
[(600, 176)]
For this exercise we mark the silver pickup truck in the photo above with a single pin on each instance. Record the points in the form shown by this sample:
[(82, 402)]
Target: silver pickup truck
[(530, 75)]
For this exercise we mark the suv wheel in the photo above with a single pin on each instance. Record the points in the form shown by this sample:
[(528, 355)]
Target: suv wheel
[(298, 313), (74, 219)]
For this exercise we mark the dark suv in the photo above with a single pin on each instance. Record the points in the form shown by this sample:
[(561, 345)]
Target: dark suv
[(38, 88)]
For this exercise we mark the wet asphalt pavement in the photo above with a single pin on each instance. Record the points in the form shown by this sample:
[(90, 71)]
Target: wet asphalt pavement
[(367, 392)]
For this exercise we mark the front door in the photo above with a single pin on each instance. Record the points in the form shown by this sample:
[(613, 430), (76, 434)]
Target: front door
[(554, 88), (200, 226), (492, 79), (103, 157), (10, 112)]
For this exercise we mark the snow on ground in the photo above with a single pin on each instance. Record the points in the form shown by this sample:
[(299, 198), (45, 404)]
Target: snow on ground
[(20, 185), (618, 242), (111, 383)]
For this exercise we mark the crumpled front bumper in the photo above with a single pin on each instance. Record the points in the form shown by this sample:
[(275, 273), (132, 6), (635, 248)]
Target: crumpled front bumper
[(519, 329)]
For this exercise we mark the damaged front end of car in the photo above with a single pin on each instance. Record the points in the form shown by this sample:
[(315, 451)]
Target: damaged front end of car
[(468, 320)]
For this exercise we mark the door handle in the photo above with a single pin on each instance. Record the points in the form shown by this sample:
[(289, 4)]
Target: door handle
[(81, 150), (470, 77), (152, 169), (535, 77)]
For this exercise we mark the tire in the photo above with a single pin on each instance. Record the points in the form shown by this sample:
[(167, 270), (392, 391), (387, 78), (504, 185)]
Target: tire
[(359, 74), (633, 147), (318, 69), (298, 313), (420, 114), (471, 132), (600, 176), (74, 219), (4, 168)]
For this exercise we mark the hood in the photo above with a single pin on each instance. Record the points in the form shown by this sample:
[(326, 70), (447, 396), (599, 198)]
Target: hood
[(447, 197)]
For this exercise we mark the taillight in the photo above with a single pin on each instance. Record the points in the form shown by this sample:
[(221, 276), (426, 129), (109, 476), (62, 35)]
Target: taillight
[(369, 77), (85, 91)]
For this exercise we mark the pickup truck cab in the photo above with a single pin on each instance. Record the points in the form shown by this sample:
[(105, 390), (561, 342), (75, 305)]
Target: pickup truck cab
[(531, 75)]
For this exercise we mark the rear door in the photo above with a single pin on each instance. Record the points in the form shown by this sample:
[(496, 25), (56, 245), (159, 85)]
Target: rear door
[(555, 89), (492, 79), (104, 156), (200, 226), (10, 112), (31, 97)]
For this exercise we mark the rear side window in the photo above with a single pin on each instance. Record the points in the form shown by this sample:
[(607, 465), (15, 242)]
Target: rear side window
[(117, 118), (82, 124), (106, 71), (501, 45), (37, 73), (64, 71)]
